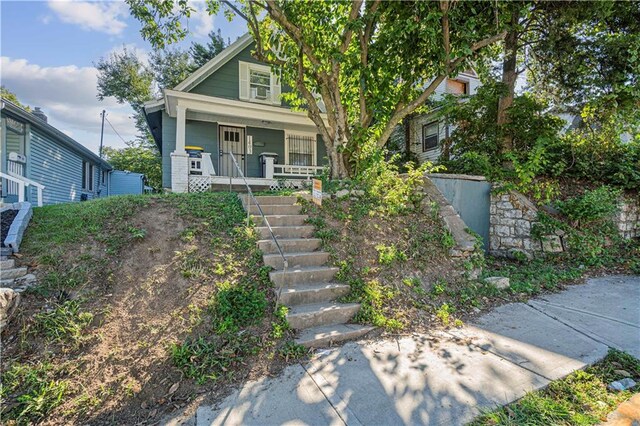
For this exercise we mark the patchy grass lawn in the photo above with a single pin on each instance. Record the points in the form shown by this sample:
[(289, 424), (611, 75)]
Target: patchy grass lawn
[(581, 398), (143, 304)]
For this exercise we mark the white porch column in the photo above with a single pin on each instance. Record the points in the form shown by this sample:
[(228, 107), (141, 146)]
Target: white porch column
[(181, 128), (179, 158), (268, 167)]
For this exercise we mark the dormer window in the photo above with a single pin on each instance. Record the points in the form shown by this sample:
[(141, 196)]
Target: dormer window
[(258, 84)]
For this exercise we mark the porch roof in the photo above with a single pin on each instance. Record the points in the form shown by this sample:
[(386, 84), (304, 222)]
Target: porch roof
[(234, 108)]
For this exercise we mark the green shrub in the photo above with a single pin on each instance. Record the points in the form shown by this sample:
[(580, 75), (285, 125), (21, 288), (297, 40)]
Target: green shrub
[(237, 305), (393, 191), (593, 206)]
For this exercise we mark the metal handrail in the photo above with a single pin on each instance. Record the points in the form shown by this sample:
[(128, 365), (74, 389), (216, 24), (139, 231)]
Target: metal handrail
[(285, 262)]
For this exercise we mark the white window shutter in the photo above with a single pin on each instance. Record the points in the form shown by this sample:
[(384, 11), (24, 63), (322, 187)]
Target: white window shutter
[(244, 81), (275, 89)]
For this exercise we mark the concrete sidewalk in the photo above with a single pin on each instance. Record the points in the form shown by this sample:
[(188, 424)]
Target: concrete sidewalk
[(445, 378)]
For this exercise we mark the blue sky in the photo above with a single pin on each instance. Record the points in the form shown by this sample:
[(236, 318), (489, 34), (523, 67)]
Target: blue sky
[(48, 49)]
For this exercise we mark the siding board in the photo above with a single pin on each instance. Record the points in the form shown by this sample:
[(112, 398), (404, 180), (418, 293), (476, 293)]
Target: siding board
[(56, 167)]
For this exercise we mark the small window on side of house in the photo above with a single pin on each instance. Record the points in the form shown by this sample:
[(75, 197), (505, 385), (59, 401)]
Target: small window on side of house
[(430, 136), (88, 172)]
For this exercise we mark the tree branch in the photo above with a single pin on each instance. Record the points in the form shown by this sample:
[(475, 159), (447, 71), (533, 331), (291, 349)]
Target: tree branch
[(348, 32)]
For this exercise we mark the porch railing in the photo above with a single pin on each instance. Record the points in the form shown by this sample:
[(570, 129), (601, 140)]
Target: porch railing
[(287, 170), (250, 197), (23, 183)]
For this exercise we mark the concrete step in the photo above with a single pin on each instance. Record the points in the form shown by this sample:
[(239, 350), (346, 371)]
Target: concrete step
[(287, 231), (279, 209), (20, 284), (311, 275), (8, 274), (290, 245), (328, 335), (317, 314), (264, 200), (297, 260), (312, 293), (281, 220), (7, 264)]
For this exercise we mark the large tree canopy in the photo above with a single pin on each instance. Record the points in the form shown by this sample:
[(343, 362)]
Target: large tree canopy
[(368, 64), (576, 53)]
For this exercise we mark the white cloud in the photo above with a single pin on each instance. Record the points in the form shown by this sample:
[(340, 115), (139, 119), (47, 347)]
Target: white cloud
[(67, 95), (200, 22), (106, 17)]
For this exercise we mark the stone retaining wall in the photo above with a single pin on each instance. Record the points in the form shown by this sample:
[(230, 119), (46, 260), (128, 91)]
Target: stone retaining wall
[(512, 216), (627, 218)]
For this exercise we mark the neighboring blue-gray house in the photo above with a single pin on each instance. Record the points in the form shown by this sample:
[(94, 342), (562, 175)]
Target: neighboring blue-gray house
[(232, 104), (40, 164), (123, 183)]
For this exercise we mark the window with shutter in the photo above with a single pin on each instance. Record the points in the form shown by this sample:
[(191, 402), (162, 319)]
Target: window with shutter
[(258, 84)]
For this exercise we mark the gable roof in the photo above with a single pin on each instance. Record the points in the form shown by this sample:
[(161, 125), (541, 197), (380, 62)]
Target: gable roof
[(52, 132), (214, 64)]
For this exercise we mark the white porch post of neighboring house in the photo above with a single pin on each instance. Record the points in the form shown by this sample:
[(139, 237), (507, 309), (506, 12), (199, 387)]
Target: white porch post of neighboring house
[(179, 158)]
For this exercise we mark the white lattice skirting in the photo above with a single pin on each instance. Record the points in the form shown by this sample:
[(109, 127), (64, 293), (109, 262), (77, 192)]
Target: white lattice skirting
[(199, 183)]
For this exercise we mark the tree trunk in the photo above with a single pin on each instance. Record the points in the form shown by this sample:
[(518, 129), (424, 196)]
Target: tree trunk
[(509, 77)]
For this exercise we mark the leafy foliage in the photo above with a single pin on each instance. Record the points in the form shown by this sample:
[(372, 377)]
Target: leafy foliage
[(541, 151), (236, 306), (367, 64), (591, 207), (11, 97)]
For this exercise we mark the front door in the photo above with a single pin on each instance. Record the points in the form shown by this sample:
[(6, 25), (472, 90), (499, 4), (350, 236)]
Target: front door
[(231, 140)]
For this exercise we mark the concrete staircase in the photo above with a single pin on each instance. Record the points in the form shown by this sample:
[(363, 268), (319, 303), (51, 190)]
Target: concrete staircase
[(308, 288)]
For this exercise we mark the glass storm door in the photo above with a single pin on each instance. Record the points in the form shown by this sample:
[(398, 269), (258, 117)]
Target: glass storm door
[(231, 140)]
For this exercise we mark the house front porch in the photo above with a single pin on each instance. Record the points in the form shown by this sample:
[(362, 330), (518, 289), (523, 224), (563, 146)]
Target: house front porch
[(208, 142)]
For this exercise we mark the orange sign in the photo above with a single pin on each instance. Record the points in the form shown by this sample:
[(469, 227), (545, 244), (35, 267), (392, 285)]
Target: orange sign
[(317, 192)]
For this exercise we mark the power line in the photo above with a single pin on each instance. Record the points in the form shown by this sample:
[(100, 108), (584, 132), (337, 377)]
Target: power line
[(114, 129)]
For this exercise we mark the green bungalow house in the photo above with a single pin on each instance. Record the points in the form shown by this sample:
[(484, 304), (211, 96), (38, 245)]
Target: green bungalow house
[(42, 165), (231, 108)]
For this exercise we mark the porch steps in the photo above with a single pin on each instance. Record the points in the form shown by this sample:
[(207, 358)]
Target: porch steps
[(281, 220), (286, 231), (297, 260), (308, 288), (15, 277)]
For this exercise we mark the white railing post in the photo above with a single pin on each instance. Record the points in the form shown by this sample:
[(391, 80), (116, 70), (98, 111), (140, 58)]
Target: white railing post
[(39, 196), (21, 191)]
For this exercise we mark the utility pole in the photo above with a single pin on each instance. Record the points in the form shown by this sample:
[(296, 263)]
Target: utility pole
[(102, 133)]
